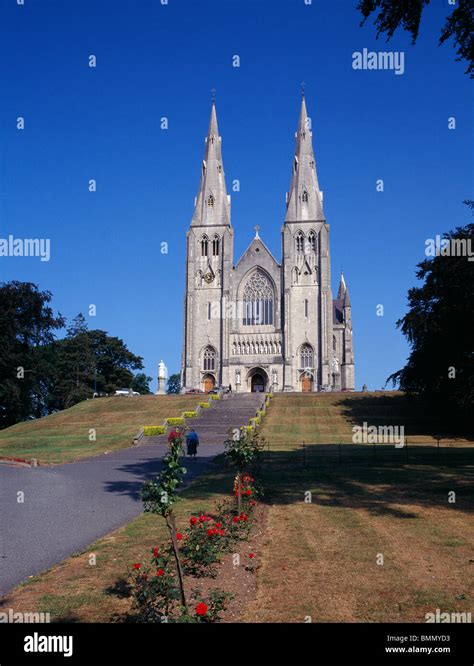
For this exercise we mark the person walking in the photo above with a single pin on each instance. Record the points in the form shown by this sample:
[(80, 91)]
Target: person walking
[(192, 442), (230, 388)]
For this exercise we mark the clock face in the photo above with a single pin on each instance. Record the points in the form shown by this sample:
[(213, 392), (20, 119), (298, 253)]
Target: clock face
[(208, 277)]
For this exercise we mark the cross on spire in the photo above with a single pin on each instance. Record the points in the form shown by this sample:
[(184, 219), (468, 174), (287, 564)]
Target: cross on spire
[(213, 93), (303, 85), (256, 227)]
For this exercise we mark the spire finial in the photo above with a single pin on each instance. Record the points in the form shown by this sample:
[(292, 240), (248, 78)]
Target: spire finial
[(303, 85), (256, 227), (213, 93)]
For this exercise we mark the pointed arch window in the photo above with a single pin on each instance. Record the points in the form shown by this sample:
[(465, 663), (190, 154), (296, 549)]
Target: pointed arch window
[(306, 356), (258, 298), (210, 201), (215, 246), (300, 241), (204, 246), (312, 241), (209, 359), (304, 196)]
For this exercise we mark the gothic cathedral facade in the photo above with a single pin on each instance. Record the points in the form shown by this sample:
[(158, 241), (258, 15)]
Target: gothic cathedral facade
[(260, 325)]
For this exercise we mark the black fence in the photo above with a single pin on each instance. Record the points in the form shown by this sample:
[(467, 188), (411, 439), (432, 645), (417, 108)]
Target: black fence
[(308, 455)]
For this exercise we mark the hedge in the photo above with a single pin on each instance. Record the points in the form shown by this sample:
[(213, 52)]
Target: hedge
[(189, 415), (149, 431), (204, 405), (175, 421), (214, 396)]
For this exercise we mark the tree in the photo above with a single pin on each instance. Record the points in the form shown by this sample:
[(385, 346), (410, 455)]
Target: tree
[(141, 383), (407, 14), (174, 384), (27, 329), (439, 325)]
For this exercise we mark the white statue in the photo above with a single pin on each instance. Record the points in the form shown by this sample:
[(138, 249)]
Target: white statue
[(162, 375), (335, 365)]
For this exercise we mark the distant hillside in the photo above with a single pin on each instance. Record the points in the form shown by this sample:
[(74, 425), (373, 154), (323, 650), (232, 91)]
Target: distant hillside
[(326, 418), (64, 436)]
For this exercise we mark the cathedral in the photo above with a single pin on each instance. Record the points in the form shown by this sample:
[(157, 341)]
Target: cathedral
[(260, 324)]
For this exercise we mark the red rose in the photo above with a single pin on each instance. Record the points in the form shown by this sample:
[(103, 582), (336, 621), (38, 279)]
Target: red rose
[(155, 552), (248, 492), (201, 519), (160, 572), (251, 555), (210, 532), (137, 565), (201, 609), (179, 536), (193, 520), (218, 524), (235, 519)]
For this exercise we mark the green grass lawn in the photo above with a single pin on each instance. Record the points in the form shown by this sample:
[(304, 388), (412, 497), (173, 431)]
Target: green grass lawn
[(324, 418), (65, 436)]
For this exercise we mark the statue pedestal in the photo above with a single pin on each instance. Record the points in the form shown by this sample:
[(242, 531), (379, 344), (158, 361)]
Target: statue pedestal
[(161, 386)]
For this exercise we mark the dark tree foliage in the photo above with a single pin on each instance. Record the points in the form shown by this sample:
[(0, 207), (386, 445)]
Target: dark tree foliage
[(40, 374), (174, 384), (393, 14), (27, 330), (141, 383), (439, 327)]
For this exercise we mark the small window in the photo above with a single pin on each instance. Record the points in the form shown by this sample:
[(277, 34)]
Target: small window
[(306, 307), (204, 246), (312, 241), (210, 201), (305, 196), (299, 242), (208, 310)]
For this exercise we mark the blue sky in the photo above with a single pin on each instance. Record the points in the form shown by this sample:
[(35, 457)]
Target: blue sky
[(153, 61)]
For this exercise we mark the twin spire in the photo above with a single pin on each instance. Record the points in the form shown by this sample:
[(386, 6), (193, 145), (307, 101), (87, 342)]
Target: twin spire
[(304, 200), (212, 206)]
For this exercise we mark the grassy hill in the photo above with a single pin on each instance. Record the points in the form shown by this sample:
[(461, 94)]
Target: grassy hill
[(64, 436), (328, 418)]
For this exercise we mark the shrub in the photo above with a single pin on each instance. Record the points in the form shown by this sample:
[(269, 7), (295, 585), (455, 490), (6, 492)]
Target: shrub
[(149, 431), (189, 415), (204, 542), (175, 421), (214, 396), (154, 586), (204, 405), (216, 603)]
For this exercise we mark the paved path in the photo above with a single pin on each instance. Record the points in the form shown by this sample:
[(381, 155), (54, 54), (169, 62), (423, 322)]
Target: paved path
[(67, 507)]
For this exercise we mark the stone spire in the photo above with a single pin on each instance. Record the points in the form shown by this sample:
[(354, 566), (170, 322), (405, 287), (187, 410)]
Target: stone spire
[(342, 288), (212, 204), (304, 200)]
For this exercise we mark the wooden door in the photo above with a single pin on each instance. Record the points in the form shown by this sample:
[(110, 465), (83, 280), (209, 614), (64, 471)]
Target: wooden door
[(306, 384), (208, 383)]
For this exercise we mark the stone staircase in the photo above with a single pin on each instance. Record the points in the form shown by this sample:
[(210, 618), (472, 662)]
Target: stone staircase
[(212, 425)]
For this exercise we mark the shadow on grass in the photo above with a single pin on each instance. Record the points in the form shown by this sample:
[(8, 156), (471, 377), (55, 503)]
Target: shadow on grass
[(389, 481), (415, 414)]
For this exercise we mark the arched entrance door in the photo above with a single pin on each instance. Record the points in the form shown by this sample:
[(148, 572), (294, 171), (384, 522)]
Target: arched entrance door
[(307, 383), (258, 383), (208, 383)]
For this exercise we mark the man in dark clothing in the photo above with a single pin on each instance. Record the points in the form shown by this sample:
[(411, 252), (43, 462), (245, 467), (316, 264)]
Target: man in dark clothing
[(192, 442)]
